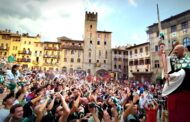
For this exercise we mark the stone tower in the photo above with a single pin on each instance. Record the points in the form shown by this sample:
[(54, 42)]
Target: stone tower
[(90, 38)]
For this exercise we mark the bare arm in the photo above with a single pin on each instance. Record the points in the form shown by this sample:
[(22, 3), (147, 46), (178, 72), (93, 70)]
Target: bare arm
[(66, 109), (156, 104), (40, 111), (50, 106), (130, 107)]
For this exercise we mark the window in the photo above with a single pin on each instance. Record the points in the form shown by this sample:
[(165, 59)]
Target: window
[(115, 52), (141, 50), (90, 41), (24, 42), (156, 48), (136, 62), (29, 42), (173, 28), (79, 53), (89, 60), (78, 60), (184, 25), (135, 51), (120, 59), (65, 59), (89, 54), (40, 52), (104, 61), (131, 63), (125, 53), (115, 66), (73, 44), (146, 49), (97, 61), (72, 60), (89, 71), (105, 42), (131, 53), (147, 61), (141, 62), (119, 66), (51, 61), (106, 54), (90, 26), (99, 53), (156, 64), (119, 52), (115, 59), (186, 41), (37, 59), (98, 42)]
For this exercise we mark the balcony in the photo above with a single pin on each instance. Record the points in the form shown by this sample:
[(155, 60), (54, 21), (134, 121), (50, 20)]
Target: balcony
[(24, 60), (24, 52), (74, 47), (4, 48), (52, 48), (51, 56), (50, 64)]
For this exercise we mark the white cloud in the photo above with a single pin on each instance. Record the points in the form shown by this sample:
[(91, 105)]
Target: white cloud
[(133, 3), (51, 18)]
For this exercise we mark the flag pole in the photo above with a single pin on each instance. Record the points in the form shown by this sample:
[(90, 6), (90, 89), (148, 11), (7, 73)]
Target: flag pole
[(162, 47)]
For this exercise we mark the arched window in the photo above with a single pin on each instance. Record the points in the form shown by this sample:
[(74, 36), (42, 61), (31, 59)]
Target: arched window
[(186, 41)]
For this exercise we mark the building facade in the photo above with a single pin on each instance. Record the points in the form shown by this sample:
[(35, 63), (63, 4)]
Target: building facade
[(17, 45), (97, 46), (139, 65), (71, 55), (93, 54), (175, 29), (120, 63)]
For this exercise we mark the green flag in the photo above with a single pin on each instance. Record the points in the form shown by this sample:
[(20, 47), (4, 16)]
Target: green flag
[(11, 59)]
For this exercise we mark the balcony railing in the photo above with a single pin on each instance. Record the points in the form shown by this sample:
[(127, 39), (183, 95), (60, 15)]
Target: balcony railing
[(24, 60), (25, 52), (51, 56), (72, 47), (50, 64), (4, 48), (51, 48)]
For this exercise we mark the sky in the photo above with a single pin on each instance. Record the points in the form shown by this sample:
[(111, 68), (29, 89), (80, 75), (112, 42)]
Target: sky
[(126, 19)]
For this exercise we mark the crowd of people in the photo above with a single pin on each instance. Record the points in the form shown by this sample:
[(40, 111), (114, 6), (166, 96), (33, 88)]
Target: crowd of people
[(46, 96)]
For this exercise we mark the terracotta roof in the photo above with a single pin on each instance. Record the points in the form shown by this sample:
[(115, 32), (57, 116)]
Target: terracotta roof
[(146, 43)]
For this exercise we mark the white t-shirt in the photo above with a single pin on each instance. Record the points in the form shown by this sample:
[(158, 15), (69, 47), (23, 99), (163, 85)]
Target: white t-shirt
[(4, 114)]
